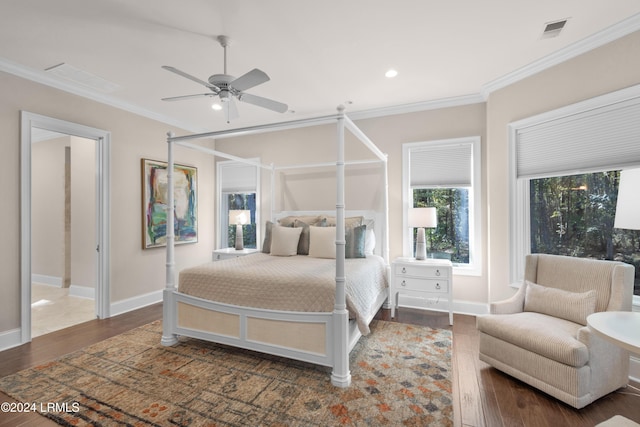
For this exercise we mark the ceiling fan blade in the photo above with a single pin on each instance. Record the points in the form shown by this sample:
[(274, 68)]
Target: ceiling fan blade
[(230, 109), (249, 80), (180, 98), (263, 102), (216, 89)]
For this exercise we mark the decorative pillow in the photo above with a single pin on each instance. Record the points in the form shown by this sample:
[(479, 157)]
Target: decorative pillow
[(349, 222), (303, 244), (369, 242), (555, 302), (355, 242), (322, 242), (284, 240), (266, 243), (289, 221)]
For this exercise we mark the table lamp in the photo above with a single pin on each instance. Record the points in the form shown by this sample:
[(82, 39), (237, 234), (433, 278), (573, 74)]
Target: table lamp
[(628, 205), (421, 218), (239, 218)]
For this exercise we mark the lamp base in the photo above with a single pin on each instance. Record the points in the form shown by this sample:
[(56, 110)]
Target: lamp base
[(239, 238), (421, 245)]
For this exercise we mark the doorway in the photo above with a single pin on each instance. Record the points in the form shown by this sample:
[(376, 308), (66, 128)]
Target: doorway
[(72, 267)]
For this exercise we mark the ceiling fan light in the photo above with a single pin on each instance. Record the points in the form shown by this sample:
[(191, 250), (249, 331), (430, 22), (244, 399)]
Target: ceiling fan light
[(216, 106), (391, 73)]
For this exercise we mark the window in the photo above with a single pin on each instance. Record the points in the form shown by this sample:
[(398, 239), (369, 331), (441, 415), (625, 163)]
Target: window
[(445, 174), (237, 187), (565, 168)]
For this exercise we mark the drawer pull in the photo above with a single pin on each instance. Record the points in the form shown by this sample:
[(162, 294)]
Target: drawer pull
[(218, 256), (404, 270), (437, 285), (437, 273), (404, 283)]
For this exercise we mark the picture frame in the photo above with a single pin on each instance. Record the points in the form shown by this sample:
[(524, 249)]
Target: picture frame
[(154, 203)]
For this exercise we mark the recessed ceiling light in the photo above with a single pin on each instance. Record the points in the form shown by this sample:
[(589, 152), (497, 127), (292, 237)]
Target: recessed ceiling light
[(391, 73), (217, 107)]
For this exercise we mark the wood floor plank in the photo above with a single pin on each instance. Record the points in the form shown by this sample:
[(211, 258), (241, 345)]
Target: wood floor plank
[(483, 395)]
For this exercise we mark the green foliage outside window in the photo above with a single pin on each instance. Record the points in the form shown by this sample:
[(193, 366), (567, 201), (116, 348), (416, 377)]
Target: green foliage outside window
[(450, 239), (574, 215)]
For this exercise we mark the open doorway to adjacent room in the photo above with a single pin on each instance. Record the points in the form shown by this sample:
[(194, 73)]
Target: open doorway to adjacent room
[(65, 224)]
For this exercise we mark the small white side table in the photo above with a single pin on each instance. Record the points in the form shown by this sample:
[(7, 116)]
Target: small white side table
[(421, 278), (227, 253), (620, 327)]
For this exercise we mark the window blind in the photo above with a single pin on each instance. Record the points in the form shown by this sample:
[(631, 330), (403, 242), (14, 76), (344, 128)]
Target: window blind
[(599, 139), (238, 177), (441, 165)]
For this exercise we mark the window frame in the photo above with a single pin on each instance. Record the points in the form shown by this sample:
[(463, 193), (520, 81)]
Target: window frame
[(222, 219), (474, 268), (519, 188)]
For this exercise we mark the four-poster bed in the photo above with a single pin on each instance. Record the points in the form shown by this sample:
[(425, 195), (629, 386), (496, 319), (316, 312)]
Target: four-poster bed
[(322, 337)]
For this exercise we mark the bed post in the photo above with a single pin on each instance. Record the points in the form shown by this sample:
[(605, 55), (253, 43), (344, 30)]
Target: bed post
[(341, 376), (168, 307)]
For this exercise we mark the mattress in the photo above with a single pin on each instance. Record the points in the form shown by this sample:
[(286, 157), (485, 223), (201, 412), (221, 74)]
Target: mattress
[(296, 283)]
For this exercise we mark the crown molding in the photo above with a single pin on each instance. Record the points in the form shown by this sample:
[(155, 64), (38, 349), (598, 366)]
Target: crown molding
[(435, 104), (48, 80), (612, 33)]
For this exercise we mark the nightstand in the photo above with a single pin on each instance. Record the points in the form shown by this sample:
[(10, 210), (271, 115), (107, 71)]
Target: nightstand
[(427, 278), (227, 253)]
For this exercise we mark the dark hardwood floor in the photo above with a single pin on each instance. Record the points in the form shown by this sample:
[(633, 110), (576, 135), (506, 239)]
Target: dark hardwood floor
[(482, 395)]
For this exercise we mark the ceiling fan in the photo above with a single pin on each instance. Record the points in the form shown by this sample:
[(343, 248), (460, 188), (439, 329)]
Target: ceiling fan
[(227, 87)]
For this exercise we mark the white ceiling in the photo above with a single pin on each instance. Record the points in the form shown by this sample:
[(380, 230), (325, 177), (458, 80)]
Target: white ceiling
[(318, 53)]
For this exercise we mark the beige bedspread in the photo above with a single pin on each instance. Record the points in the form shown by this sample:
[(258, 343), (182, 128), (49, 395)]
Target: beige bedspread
[(296, 283)]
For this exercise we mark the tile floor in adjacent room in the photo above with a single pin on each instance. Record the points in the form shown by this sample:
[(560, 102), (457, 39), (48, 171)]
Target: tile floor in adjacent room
[(52, 308)]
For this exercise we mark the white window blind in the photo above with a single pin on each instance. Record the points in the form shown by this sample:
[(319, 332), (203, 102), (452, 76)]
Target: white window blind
[(598, 139), (441, 165), (237, 177)]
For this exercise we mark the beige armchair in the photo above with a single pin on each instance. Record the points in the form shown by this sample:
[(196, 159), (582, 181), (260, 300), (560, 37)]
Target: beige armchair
[(540, 337)]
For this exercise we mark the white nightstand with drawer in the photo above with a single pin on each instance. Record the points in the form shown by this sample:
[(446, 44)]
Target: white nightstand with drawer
[(424, 279), (226, 253)]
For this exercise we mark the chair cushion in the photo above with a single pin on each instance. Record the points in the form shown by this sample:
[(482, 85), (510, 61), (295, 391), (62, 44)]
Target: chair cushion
[(566, 305), (545, 335)]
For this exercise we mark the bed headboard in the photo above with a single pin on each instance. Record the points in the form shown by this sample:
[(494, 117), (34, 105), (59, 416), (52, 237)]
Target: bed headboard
[(376, 217)]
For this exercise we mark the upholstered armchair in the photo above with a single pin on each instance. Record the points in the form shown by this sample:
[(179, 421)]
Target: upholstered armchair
[(540, 337)]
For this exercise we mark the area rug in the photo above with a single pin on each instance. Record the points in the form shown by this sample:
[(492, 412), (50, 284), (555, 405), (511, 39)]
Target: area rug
[(401, 375)]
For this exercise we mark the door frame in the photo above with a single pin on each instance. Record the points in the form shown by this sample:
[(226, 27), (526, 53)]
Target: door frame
[(103, 201)]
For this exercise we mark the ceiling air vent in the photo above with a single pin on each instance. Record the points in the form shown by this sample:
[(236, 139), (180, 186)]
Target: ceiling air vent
[(552, 29)]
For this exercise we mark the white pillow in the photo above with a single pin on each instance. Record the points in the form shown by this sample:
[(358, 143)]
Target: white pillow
[(369, 242), (322, 242), (555, 302), (284, 240)]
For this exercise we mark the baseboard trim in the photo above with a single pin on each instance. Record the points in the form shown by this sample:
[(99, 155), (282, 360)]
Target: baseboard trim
[(634, 368), (134, 303), (11, 338), (441, 304), (47, 280)]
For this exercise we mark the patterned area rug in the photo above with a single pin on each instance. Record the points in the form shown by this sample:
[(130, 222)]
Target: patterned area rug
[(401, 375)]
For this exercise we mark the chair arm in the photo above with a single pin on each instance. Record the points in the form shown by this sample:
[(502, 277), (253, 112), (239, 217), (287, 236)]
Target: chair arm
[(609, 363), (515, 304)]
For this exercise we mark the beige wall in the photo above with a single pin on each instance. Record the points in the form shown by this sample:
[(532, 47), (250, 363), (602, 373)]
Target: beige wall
[(134, 271), (47, 226), (603, 70)]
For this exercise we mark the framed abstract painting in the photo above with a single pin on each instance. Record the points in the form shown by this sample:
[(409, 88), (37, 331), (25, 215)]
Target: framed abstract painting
[(154, 204)]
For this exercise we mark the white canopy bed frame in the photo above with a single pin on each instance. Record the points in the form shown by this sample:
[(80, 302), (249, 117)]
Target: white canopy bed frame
[(323, 338)]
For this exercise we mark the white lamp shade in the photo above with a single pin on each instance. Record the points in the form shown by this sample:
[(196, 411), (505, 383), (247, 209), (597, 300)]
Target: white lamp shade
[(628, 205), (239, 217), (422, 217)]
